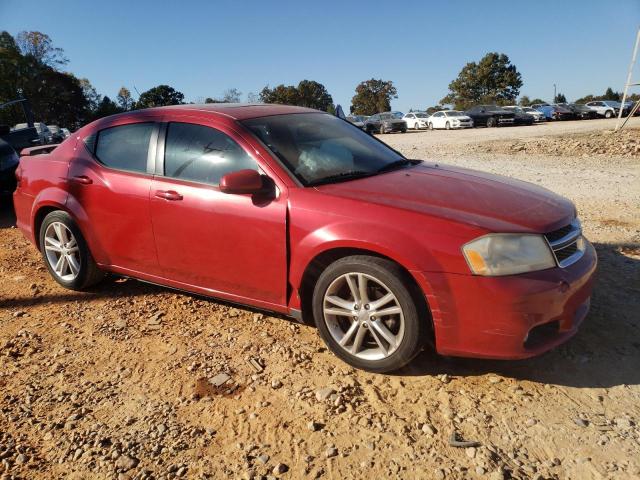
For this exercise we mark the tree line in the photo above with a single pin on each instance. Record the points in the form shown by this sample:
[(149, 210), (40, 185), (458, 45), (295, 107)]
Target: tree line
[(32, 67)]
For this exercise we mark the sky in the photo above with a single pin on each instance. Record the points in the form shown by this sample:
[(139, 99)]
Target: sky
[(202, 48)]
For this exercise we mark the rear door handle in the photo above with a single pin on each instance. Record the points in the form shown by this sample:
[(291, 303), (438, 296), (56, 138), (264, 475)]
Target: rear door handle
[(168, 195), (83, 179)]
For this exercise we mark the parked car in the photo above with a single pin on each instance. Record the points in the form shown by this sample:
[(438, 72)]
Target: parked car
[(604, 108), (537, 116), (292, 210), (416, 120), (580, 111), (554, 112), (385, 123), (57, 135), (520, 117), (44, 134), (12, 142), (490, 116), (357, 120), (8, 164), (449, 119), (66, 132)]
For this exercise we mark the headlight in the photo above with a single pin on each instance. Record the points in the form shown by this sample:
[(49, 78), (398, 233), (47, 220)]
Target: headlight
[(508, 254)]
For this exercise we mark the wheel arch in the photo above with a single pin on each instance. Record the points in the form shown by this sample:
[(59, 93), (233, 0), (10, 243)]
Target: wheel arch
[(323, 259)]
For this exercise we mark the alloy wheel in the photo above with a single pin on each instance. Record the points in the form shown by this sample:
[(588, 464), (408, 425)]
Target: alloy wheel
[(363, 316), (62, 251)]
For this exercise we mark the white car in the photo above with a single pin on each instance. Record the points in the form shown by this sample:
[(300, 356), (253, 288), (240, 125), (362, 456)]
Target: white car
[(417, 120), (604, 108), (449, 119), (537, 116)]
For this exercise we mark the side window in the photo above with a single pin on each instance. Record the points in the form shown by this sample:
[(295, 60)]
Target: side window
[(124, 147), (202, 154)]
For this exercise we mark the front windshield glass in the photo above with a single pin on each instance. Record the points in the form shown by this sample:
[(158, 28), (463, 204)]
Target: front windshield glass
[(421, 115), (319, 148), (454, 114)]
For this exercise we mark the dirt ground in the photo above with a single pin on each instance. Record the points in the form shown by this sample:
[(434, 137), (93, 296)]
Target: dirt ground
[(111, 383)]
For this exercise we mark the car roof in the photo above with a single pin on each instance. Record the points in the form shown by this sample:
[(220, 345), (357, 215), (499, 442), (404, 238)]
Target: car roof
[(238, 111)]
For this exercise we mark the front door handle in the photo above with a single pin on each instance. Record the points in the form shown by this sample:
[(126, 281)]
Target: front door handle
[(168, 195), (83, 179)]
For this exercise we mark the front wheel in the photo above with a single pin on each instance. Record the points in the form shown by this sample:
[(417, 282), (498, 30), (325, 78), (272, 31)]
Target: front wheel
[(366, 314), (608, 114), (491, 122), (430, 125), (447, 126), (66, 254)]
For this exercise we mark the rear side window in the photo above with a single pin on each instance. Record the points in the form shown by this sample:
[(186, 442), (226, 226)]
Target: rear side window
[(202, 154), (125, 147)]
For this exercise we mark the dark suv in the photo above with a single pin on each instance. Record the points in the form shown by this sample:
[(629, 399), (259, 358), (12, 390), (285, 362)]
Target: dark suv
[(385, 122), (490, 115)]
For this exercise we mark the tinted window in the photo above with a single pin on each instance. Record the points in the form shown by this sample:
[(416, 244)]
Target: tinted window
[(125, 147), (202, 154)]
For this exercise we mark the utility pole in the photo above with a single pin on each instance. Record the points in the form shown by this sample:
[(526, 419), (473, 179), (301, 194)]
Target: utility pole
[(628, 82), (554, 93)]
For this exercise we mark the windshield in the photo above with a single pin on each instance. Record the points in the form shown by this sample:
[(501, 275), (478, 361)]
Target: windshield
[(421, 115), (319, 148), (454, 114)]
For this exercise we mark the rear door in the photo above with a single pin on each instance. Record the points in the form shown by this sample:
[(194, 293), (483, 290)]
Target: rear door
[(109, 181), (233, 246)]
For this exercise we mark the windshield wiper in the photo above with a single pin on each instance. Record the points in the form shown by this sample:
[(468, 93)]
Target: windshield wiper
[(397, 164), (348, 175)]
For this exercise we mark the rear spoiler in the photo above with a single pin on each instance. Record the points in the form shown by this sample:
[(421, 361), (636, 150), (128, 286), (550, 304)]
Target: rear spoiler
[(41, 150)]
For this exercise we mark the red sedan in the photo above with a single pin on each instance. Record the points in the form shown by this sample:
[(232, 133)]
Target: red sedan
[(299, 212)]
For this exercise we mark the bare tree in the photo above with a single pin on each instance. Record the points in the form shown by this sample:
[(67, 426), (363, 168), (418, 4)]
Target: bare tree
[(40, 46)]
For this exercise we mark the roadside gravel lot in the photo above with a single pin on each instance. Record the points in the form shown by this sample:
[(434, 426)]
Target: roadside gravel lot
[(136, 381)]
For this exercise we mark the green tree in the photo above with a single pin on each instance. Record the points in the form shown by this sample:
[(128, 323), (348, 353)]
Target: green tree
[(492, 80), (40, 46), (124, 99), (308, 93), (105, 108), (373, 96), (160, 96), (560, 98), (609, 94), (524, 101), (283, 94), (90, 93), (536, 101)]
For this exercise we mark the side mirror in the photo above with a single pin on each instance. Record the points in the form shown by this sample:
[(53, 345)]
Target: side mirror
[(241, 182)]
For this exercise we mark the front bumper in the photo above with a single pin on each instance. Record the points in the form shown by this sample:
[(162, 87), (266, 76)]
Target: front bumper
[(394, 127), (509, 317)]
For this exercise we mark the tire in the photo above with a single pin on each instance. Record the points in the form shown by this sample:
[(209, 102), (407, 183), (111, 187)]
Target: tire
[(430, 125), (407, 329), (447, 126), (381, 131), (491, 122), (404, 130), (608, 114), (78, 270)]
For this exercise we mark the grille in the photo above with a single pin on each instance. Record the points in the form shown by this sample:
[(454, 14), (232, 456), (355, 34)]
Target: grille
[(566, 243), (566, 252), (558, 234)]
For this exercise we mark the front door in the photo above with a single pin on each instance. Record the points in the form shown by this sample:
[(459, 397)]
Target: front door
[(230, 245)]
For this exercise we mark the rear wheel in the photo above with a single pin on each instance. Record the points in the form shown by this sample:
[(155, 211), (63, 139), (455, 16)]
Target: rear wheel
[(447, 126), (66, 254), (366, 314)]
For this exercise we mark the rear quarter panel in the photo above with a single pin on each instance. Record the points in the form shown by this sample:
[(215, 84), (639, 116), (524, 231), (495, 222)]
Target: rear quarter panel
[(42, 184)]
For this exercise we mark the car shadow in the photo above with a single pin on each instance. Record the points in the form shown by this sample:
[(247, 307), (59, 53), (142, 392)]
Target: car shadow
[(604, 353)]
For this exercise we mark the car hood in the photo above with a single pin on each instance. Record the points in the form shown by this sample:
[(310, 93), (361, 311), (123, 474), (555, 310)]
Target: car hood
[(491, 202)]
